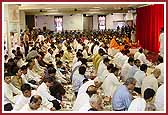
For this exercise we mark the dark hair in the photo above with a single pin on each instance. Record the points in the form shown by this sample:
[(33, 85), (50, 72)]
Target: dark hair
[(57, 55), (25, 87), (89, 91), (23, 67), (140, 50), (130, 60), (51, 70), (148, 93), (79, 54), (110, 66), (82, 70), (143, 67), (106, 60), (59, 62), (160, 59), (7, 75), (85, 80), (34, 99)]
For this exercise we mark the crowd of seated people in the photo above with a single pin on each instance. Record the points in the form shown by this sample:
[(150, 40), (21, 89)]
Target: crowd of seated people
[(39, 68)]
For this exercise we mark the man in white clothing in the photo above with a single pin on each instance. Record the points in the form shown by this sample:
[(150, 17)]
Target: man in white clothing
[(83, 98), (10, 93), (102, 67), (143, 59), (111, 81), (44, 91), (139, 76), (134, 68), (126, 67), (24, 98), (34, 104), (151, 81), (161, 67), (138, 53), (160, 98), (95, 104), (161, 38), (140, 103)]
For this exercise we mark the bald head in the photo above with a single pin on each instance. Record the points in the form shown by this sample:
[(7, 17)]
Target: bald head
[(156, 72)]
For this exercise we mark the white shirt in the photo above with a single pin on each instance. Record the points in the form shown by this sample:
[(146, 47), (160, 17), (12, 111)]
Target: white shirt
[(85, 107), (25, 80), (84, 87), (101, 68), (32, 75), (159, 98), (132, 71), (95, 49), (85, 54), (161, 44), (136, 55), (139, 76), (26, 108), (22, 100), (44, 91), (149, 82), (117, 58), (76, 64), (124, 71), (138, 104), (20, 63), (161, 77), (90, 46), (9, 89), (77, 81), (143, 59), (48, 58), (104, 75), (110, 84), (81, 100)]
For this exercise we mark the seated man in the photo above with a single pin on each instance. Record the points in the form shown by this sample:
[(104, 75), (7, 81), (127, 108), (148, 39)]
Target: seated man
[(122, 98), (34, 104), (10, 93)]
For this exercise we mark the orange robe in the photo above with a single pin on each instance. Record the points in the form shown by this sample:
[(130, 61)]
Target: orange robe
[(114, 44)]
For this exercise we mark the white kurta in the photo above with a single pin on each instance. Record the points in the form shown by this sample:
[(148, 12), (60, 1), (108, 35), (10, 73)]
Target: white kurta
[(161, 77), (143, 59), (84, 87), (138, 104), (21, 101), (110, 84), (81, 100), (124, 71), (161, 37), (139, 76), (159, 98), (27, 108), (8, 93), (44, 91), (149, 82)]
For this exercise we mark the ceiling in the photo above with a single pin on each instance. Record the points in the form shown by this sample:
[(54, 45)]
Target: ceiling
[(54, 9)]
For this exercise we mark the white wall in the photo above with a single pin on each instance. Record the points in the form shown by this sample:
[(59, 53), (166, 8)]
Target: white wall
[(95, 22), (47, 21), (118, 17), (74, 22)]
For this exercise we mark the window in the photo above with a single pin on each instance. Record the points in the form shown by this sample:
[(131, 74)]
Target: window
[(102, 22), (58, 21)]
